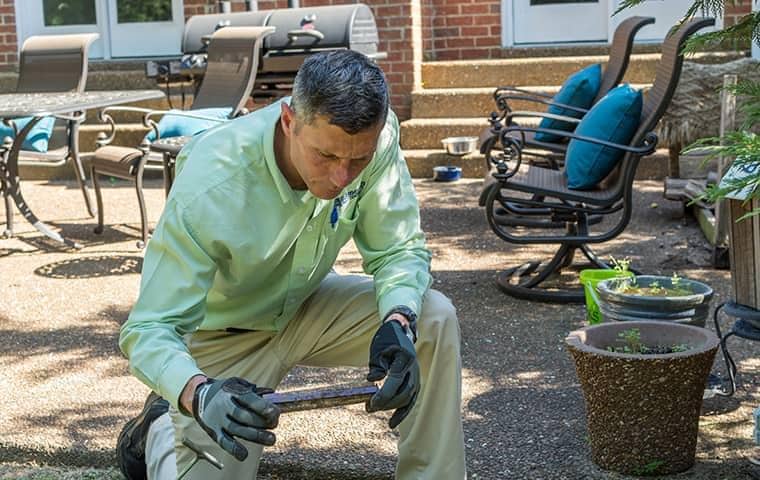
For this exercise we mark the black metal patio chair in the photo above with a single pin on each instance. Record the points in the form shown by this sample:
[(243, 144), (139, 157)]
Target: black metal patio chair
[(543, 194), (619, 58)]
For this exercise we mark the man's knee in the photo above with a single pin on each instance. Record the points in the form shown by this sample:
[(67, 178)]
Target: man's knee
[(438, 319)]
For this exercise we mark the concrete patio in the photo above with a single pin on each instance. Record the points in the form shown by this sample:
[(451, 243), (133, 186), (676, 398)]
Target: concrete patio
[(67, 390)]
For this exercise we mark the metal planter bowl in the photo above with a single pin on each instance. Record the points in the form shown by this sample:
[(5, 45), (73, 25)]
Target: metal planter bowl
[(689, 309), (460, 145)]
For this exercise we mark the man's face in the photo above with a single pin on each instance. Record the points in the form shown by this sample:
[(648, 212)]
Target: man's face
[(326, 157)]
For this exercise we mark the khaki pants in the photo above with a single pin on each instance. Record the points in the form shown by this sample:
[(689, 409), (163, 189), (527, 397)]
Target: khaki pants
[(333, 328)]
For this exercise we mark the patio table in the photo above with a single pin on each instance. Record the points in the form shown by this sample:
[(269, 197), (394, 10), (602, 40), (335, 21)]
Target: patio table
[(169, 148), (39, 105)]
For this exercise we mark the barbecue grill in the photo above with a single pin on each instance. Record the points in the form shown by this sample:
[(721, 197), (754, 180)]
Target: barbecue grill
[(299, 33)]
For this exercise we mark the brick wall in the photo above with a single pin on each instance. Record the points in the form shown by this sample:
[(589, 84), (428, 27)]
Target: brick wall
[(465, 29), (736, 10), (8, 40)]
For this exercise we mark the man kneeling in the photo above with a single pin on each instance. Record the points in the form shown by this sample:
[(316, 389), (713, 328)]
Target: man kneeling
[(238, 288)]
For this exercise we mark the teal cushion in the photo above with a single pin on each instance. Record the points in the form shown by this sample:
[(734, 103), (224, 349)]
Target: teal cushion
[(615, 119), (38, 138), (579, 90), (178, 126)]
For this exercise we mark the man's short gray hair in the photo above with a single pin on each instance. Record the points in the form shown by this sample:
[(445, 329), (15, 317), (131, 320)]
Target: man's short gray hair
[(344, 86)]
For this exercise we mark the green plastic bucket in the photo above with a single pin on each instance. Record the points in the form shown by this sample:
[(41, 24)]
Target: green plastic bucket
[(589, 279)]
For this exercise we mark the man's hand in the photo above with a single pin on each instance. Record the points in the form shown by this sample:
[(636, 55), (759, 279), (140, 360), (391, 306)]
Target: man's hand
[(233, 407), (392, 354)]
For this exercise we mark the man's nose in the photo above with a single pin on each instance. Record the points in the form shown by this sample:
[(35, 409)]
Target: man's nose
[(341, 175)]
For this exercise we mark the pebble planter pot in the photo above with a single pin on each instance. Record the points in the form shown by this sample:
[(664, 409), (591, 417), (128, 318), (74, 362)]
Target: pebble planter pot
[(642, 410), (692, 309)]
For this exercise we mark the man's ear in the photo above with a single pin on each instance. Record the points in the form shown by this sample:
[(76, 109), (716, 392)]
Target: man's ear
[(287, 119)]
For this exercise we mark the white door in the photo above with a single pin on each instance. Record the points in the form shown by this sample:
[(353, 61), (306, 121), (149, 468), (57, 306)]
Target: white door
[(559, 21), (145, 27), (58, 17), (666, 12)]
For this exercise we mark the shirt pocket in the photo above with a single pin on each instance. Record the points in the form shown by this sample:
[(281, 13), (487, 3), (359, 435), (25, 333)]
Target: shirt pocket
[(344, 230)]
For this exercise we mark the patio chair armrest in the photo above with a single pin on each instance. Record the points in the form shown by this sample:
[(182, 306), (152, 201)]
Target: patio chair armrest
[(152, 124), (646, 147), (76, 117), (104, 115), (511, 149), (502, 101)]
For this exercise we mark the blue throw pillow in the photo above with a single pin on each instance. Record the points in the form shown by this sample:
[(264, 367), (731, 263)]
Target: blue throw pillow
[(579, 90), (38, 138), (179, 126), (615, 119)]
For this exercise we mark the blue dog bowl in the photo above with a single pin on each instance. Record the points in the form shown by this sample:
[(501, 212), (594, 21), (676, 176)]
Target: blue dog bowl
[(447, 173)]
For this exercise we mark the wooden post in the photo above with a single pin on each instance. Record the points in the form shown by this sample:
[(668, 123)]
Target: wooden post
[(744, 249), (727, 124)]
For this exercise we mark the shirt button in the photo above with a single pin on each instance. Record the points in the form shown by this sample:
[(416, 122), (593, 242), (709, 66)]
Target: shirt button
[(309, 228), (301, 269)]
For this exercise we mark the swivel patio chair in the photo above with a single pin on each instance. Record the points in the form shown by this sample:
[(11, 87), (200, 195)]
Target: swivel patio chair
[(544, 194), (552, 153), (619, 57), (52, 63), (233, 58)]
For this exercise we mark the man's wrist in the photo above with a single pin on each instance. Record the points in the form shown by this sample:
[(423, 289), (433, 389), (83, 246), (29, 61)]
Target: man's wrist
[(399, 318), (406, 317), (186, 397)]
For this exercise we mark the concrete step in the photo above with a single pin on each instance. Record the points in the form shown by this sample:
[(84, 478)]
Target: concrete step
[(421, 163), (472, 102), (465, 102), (427, 133), (541, 70)]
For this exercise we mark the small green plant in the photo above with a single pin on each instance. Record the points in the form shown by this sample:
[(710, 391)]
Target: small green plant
[(621, 265), (650, 468), (631, 340)]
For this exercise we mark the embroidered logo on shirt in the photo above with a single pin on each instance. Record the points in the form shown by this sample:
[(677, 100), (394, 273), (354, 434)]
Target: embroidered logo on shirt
[(342, 201)]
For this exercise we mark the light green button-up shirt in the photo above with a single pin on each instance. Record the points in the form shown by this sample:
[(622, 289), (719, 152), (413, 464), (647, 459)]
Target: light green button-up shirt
[(237, 247)]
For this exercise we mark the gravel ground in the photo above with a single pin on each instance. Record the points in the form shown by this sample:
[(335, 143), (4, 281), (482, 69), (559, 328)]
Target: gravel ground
[(67, 390)]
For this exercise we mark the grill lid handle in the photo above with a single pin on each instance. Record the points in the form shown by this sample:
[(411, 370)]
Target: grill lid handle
[(310, 32)]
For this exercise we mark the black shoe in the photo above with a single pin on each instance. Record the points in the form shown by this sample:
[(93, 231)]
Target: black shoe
[(130, 447)]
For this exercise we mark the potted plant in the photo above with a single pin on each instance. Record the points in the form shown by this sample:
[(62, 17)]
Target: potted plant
[(654, 297), (591, 277), (642, 383)]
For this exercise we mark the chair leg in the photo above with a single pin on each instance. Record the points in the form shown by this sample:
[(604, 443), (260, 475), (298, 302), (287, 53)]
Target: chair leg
[(76, 163), (99, 198), (143, 211), (593, 257), (8, 232), (5, 189), (523, 281)]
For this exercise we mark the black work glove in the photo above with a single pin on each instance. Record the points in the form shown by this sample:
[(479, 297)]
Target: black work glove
[(233, 407), (392, 353)]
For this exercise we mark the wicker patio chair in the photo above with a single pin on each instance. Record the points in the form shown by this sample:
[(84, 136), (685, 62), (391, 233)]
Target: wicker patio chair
[(619, 57), (56, 63), (233, 57), (543, 193)]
